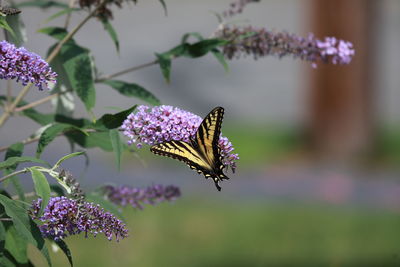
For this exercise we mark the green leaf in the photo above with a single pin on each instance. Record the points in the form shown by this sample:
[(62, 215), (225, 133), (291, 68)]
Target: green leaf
[(55, 32), (40, 118), (2, 237), (186, 36), (112, 121), (95, 139), (221, 58), (16, 23), (165, 65), (133, 90), (111, 31), (4, 25), (60, 13), (164, 7), (15, 160), (104, 203), (24, 225), (16, 245), (117, 146), (42, 4), (64, 247), (42, 187), (15, 150), (75, 154), (80, 73), (50, 134), (201, 48)]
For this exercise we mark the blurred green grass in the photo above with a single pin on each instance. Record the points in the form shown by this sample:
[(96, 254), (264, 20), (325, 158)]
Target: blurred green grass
[(211, 232)]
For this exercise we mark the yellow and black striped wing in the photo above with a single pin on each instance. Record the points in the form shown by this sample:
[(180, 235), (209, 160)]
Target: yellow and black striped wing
[(185, 152), (207, 137)]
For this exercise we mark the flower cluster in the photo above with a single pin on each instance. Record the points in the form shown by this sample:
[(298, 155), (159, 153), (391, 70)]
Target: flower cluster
[(237, 7), (126, 195), (165, 123), (22, 65), (103, 12), (261, 42), (63, 217)]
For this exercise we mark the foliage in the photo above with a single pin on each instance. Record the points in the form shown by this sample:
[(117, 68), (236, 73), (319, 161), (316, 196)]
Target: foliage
[(58, 207)]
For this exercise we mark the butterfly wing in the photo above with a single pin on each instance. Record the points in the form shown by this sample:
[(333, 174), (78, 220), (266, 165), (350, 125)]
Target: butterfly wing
[(207, 137), (182, 151)]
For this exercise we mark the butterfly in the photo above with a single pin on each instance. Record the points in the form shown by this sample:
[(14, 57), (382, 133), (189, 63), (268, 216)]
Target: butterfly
[(202, 152)]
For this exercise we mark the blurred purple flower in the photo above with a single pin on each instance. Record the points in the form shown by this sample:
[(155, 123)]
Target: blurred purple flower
[(165, 123), (237, 7), (22, 65), (63, 217), (126, 195), (261, 42)]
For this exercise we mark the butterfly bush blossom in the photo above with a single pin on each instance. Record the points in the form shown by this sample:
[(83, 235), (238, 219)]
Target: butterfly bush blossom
[(260, 42), (165, 123), (127, 195), (22, 65), (237, 7), (63, 216)]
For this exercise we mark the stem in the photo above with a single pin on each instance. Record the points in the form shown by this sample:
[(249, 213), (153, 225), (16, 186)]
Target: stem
[(110, 76), (2, 179), (38, 102), (53, 54), (68, 18), (9, 94)]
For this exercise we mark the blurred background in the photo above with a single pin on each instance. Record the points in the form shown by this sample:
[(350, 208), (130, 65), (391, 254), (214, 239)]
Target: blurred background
[(318, 180)]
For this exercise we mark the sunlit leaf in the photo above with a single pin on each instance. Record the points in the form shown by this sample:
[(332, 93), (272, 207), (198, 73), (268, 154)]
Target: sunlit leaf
[(75, 154), (15, 160), (16, 245), (42, 187)]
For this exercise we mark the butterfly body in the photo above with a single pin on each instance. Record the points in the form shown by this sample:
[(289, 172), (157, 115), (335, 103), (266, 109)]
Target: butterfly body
[(202, 152)]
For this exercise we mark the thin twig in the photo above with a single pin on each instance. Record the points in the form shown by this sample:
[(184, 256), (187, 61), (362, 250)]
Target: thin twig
[(2, 179), (38, 102), (110, 76)]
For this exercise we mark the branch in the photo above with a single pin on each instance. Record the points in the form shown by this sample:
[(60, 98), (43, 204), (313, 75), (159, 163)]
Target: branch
[(38, 102), (110, 76), (2, 179)]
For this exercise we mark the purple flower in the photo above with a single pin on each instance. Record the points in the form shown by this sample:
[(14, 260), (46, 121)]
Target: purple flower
[(165, 123), (261, 42), (237, 7), (63, 217), (22, 65), (126, 195)]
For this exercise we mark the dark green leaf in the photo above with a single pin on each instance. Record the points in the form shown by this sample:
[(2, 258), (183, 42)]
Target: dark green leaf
[(42, 4), (40, 118), (133, 90), (64, 247), (95, 139), (16, 245), (4, 25), (111, 31), (15, 150), (58, 189), (201, 48), (2, 237), (80, 73), (165, 65), (221, 58), (186, 36), (117, 146), (164, 6), (112, 121), (15, 160), (50, 134), (18, 26), (42, 187), (104, 203), (80, 123), (24, 225), (55, 32)]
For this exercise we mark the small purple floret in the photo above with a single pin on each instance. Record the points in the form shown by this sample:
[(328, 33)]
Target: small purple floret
[(260, 42), (165, 123), (24, 66), (133, 196), (63, 217)]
